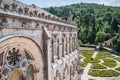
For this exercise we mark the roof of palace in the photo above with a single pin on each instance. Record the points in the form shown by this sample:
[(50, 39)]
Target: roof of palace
[(16, 7)]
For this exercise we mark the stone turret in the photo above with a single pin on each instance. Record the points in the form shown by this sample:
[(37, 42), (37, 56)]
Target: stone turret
[(69, 17)]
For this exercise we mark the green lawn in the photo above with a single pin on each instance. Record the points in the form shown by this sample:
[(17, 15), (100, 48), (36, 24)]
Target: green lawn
[(103, 73)]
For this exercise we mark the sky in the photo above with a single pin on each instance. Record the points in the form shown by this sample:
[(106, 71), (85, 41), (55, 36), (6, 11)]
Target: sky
[(55, 3)]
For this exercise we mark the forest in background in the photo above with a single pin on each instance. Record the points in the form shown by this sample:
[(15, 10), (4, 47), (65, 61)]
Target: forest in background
[(97, 23)]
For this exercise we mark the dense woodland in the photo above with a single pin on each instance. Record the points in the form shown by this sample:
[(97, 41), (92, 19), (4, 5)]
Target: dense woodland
[(97, 23)]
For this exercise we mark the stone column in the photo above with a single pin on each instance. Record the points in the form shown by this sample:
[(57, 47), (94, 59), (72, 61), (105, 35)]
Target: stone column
[(48, 60), (46, 44)]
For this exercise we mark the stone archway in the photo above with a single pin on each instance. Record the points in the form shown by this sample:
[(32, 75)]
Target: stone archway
[(21, 53)]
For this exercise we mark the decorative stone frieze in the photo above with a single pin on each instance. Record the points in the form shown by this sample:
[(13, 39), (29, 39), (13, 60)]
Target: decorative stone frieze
[(3, 21), (35, 44), (14, 7)]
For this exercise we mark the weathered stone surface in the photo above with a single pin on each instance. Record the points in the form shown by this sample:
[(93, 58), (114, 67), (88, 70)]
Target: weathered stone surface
[(35, 45)]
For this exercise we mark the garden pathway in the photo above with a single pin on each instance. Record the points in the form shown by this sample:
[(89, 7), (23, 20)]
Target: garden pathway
[(85, 75)]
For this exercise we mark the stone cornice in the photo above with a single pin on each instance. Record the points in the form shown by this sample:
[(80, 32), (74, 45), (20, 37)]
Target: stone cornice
[(35, 19)]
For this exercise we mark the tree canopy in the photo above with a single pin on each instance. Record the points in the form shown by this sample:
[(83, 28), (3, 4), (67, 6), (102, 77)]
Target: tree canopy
[(96, 22)]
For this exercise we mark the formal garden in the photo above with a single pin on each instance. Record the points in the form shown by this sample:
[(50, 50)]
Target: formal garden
[(105, 64)]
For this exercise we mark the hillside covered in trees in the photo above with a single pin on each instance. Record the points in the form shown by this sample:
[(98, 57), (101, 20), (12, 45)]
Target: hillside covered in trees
[(97, 23)]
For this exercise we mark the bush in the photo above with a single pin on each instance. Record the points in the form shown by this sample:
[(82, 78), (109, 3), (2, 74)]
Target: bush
[(98, 66), (103, 73)]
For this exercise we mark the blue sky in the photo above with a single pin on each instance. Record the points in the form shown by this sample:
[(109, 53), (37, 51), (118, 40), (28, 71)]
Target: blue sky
[(49, 3)]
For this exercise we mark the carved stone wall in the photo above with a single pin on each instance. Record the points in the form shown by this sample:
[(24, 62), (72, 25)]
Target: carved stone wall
[(35, 44)]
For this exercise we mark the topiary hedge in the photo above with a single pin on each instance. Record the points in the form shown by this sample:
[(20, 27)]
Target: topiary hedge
[(103, 73)]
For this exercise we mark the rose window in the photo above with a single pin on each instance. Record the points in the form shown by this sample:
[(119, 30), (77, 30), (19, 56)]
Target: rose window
[(14, 57)]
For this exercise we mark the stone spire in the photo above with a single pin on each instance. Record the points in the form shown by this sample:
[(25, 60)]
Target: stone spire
[(69, 17)]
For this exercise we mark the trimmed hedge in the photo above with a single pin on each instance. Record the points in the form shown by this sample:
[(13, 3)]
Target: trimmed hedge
[(86, 45), (83, 64), (103, 73), (118, 69), (110, 63), (98, 66), (87, 53)]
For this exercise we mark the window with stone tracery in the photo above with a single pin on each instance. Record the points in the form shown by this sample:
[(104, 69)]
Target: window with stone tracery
[(14, 57)]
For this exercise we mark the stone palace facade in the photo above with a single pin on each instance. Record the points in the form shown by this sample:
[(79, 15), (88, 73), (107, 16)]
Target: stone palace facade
[(36, 45)]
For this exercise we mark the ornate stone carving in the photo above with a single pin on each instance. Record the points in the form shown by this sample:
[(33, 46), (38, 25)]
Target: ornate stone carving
[(35, 12), (6, 71), (30, 72), (26, 10), (28, 56), (37, 25), (43, 15), (0, 2), (3, 21), (14, 6), (6, 7), (14, 57), (39, 15), (31, 13), (20, 10), (24, 24)]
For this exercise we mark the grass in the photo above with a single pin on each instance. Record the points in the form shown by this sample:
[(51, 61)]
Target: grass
[(118, 69), (110, 63), (103, 73), (98, 66)]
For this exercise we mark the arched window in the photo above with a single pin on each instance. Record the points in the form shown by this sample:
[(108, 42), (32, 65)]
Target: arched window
[(30, 72), (1, 59)]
